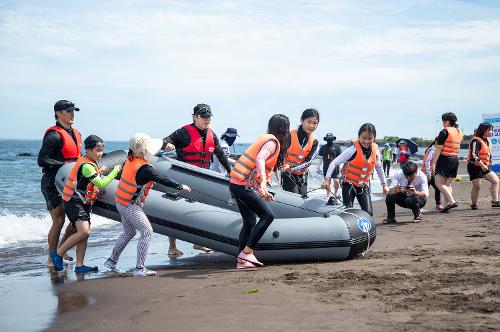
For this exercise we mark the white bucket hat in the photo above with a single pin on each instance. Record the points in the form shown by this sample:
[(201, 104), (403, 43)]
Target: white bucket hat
[(143, 143)]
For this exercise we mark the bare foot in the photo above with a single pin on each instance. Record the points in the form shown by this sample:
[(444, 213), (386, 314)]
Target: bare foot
[(175, 252), (205, 249), (49, 262), (67, 257)]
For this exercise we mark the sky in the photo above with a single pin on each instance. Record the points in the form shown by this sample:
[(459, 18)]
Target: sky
[(141, 66)]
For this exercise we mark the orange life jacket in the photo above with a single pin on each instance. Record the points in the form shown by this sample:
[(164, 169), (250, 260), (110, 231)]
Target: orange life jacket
[(424, 169), (71, 186), (128, 191), (451, 147), (245, 168), (359, 170), (196, 153), (484, 154), (71, 151), (296, 153)]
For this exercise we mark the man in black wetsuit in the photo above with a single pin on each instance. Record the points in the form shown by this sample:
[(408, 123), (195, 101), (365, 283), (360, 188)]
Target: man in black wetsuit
[(195, 144), (329, 152), (61, 144)]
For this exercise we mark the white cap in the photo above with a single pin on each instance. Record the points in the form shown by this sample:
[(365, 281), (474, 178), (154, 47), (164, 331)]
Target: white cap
[(141, 143)]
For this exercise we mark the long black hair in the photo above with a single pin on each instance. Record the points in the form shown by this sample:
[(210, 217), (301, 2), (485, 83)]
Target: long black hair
[(482, 129), (430, 145), (310, 113), (450, 117), (279, 126), (369, 128)]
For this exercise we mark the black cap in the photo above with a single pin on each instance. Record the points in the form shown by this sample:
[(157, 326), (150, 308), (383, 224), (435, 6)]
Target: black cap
[(92, 141), (329, 137), (202, 110), (65, 105), (231, 132)]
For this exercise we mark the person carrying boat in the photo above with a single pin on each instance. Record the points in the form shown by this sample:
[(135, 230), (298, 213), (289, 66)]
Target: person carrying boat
[(329, 152), (445, 161), (426, 169), (226, 141), (302, 150), (479, 165), (137, 179), (195, 144), (248, 186), (62, 143), (78, 195), (360, 159)]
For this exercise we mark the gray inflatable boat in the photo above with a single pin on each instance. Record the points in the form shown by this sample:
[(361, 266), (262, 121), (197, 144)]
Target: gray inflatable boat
[(304, 229)]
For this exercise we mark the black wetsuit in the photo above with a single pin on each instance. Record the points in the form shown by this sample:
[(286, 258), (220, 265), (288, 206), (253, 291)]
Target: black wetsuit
[(297, 183), (50, 158), (330, 151), (181, 139)]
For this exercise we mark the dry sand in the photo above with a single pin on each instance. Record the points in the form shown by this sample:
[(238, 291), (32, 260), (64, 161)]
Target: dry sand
[(441, 274)]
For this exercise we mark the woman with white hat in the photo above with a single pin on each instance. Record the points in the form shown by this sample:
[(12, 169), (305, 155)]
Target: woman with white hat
[(137, 179)]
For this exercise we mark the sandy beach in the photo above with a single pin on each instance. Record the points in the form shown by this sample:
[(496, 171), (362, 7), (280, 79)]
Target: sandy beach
[(442, 274)]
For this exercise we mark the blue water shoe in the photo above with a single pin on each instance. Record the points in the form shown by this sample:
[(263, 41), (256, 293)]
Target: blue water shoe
[(56, 260), (85, 269)]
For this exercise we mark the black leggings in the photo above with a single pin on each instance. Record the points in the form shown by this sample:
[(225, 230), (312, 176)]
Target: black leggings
[(349, 192), (387, 167), (437, 193), (409, 202), (294, 183), (251, 205)]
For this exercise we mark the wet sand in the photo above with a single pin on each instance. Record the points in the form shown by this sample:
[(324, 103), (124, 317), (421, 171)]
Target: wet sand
[(441, 274)]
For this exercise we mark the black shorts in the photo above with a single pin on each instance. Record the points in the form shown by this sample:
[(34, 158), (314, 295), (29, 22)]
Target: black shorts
[(76, 210), (447, 166), (475, 172), (52, 197)]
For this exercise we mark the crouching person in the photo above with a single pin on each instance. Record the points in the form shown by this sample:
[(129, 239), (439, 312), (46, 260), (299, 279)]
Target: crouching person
[(409, 191), (79, 193)]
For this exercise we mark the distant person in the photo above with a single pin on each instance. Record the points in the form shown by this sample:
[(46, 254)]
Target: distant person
[(248, 185), (426, 169), (137, 179), (360, 160), (195, 144), (386, 158), (226, 141), (479, 164), (61, 144), (329, 152), (79, 194), (409, 190), (445, 162), (394, 154), (300, 153), (403, 153)]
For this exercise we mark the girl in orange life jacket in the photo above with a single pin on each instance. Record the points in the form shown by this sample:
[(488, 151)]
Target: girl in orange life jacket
[(303, 147), (360, 159), (78, 195), (248, 185), (479, 164), (137, 179), (426, 169), (445, 162)]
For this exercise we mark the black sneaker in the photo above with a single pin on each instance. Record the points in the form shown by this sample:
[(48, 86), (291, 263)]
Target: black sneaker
[(495, 204), (390, 220), (417, 218), (449, 207), (474, 206), (332, 201)]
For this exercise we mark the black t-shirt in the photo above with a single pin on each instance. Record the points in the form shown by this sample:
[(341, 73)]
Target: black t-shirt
[(475, 147), (329, 152), (147, 173), (181, 139), (50, 157), (442, 136)]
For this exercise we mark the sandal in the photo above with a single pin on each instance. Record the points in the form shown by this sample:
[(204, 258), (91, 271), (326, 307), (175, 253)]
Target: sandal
[(495, 204), (449, 207), (474, 206), (250, 258)]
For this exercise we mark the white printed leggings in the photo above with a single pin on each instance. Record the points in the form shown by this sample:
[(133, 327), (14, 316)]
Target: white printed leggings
[(133, 218)]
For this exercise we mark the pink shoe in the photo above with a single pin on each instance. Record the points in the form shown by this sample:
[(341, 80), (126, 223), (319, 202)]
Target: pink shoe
[(246, 265), (250, 258)]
